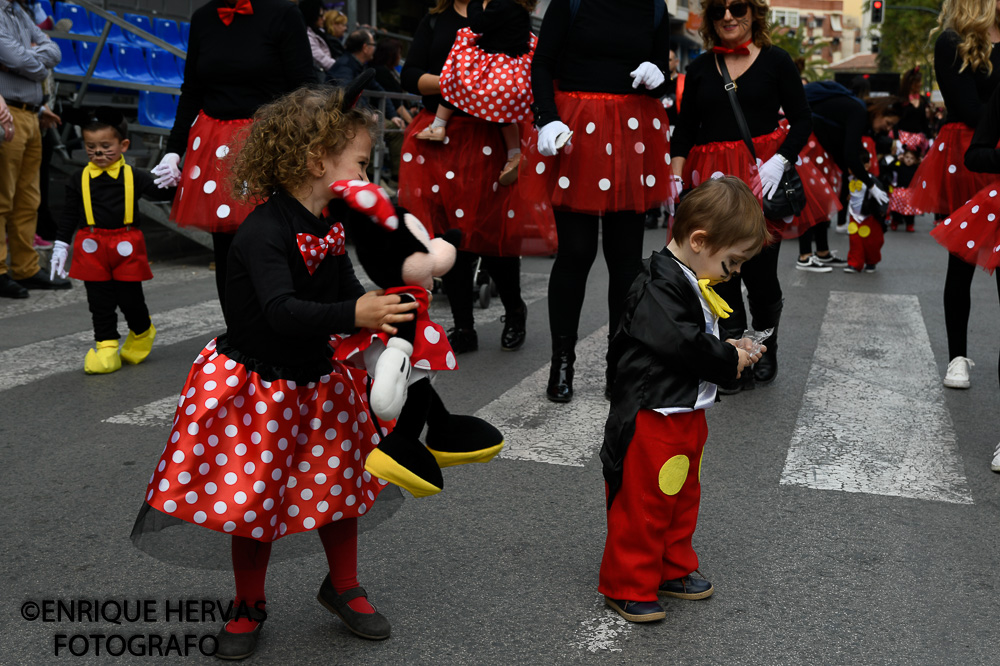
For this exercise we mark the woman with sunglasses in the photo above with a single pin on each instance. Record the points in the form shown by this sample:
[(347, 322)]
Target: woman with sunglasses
[(708, 141)]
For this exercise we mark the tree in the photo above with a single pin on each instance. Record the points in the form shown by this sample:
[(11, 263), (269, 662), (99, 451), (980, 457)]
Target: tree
[(903, 43), (801, 52)]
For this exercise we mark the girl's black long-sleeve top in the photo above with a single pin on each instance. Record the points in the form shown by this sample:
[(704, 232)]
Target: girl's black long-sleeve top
[(505, 26), (965, 93), (596, 51), (771, 83), (429, 49), (982, 155), (914, 118), (232, 70), (839, 123)]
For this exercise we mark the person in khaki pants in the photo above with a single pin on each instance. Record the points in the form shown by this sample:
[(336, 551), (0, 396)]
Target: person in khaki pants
[(26, 54)]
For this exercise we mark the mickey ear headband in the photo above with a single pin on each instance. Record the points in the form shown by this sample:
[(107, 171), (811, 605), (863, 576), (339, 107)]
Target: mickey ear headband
[(352, 93)]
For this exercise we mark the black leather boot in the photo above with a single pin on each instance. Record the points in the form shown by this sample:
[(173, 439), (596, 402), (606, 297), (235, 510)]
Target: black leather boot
[(766, 369), (560, 388), (514, 328)]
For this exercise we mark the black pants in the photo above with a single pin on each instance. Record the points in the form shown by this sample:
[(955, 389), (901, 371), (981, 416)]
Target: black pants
[(820, 234), (763, 292), (506, 273), (105, 297), (221, 242), (899, 218), (958, 303), (621, 238), (46, 223)]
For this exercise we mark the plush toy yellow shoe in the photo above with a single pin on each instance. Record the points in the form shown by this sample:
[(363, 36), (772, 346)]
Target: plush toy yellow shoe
[(103, 359), (137, 347)]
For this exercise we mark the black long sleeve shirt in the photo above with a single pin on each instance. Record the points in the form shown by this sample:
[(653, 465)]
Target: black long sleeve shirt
[(232, 70), (107, 200), (430, 47), (772, 82), (899, 174), (276, 312), (839, 123), (965, 94), (982, 155), (914, 118), (505, 26), (596, 51)]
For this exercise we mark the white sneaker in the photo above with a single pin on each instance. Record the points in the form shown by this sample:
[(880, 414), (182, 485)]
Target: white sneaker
[(995, 465), (841, 228), (813, 264), (957, 376)]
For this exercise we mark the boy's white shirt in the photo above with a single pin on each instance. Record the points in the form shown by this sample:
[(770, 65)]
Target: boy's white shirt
[(856, 200), (706, 390)]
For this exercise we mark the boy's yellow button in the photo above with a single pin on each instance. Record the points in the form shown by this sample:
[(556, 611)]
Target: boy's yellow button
[(864, 231), (673, 474)]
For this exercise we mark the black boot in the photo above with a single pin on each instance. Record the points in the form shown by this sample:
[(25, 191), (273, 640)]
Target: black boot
[(766, 369), (745, 382), (514, 328), (560, 388)]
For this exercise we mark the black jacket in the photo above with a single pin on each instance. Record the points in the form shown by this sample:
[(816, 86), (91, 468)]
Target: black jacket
[(661, 352)]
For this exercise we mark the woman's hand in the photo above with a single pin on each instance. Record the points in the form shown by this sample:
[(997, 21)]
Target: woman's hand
[(377, 311)]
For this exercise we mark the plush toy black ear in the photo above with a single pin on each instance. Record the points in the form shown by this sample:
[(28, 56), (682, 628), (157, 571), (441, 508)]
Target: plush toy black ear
[(352, 93)]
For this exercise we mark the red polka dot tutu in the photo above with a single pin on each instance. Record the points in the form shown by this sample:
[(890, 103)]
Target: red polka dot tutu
[(942, 183), (915, 141), (453, 184), (204, 197), (617, 160), (901, 201), (492, 86), (972, 232), (815, 154), (100, 255), (263, 459)]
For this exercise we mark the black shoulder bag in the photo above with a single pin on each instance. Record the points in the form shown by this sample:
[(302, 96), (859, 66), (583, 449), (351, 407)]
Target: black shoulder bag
[(790, 197)]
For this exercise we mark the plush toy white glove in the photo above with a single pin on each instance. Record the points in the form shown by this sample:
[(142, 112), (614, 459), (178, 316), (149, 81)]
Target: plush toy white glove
[(60, 253), (770, 175), (647, 74), (168, 171), (878, 194), (550, 137)]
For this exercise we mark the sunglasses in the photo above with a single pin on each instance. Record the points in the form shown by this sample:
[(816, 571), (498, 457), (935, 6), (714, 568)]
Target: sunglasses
[(737, 9)]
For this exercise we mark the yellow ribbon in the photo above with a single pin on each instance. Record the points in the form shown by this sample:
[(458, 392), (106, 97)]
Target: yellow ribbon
[(718, 306), (92, 171)]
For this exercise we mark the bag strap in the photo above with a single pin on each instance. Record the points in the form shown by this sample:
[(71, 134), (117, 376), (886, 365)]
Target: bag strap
[(734, 101)]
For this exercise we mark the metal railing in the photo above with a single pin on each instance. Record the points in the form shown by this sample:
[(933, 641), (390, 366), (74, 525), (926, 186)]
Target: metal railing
[(381, 149)]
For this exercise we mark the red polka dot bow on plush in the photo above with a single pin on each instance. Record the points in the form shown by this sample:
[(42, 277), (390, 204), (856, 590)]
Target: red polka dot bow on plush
[(369, 199), (315, 249), (227, 14)]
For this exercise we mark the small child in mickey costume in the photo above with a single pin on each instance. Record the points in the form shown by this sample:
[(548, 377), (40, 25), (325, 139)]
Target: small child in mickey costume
[(397, 253), (866, 229), (109, 253), (669, 359)]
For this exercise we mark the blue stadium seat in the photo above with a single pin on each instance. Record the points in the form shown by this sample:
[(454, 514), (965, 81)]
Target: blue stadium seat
[(157, 109), (131, 64), (46, 7), (163, 66), (70, 63), (78, 15), (139, 21), (169, 32), (185, 32), (105, 65), (115, 35)]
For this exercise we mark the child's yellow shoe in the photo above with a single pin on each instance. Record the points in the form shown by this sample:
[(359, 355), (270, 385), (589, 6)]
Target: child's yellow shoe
[(103, 359), (137, 347)]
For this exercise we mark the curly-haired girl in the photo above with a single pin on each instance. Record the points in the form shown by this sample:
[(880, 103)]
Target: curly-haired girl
[(270, 434)]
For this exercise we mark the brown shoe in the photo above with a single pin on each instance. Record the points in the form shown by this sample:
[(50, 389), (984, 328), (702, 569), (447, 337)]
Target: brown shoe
[(508, 175), (431, 134)]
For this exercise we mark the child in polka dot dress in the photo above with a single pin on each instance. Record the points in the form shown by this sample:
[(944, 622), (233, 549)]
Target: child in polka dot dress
[(270, 434), (488, 74), (109, 253)]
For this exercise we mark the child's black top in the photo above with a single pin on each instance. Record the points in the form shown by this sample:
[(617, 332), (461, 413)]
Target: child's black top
[(279, 318), (505, 26), (772, 82), (965, 94), (231, 70), (982, 155), (839, 123), (107, 200), (596, 51), (914, 118), (661, 352), (429, 49), (903, 174)]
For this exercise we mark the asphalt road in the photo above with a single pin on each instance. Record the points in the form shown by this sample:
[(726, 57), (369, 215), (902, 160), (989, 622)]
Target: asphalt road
[(849, 515)]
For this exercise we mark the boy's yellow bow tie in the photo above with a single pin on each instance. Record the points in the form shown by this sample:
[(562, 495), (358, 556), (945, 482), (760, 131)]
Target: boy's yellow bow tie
[(718, 306), (112, 169)]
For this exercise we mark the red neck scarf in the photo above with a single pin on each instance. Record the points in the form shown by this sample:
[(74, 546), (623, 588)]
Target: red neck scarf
[(739, 50), (227, 14)]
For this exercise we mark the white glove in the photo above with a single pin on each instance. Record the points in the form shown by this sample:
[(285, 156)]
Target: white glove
[(770, 175), (878, 194), (57, 265), (648, 75), (548, 135), (168, 171)]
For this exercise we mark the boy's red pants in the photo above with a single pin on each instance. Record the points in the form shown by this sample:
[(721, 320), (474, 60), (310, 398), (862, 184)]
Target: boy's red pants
[(653, 516), (866, 239)]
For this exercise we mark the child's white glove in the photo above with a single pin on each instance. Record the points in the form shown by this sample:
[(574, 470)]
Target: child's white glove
[(878, 194), (770, 175), (549, 137), (647, 74), (168, 171), (60, 253)]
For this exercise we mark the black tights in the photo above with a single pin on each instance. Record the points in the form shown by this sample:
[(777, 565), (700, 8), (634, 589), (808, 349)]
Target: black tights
[(506, 273), (958, 303), (763, 292), (221, 242), (819, 234), (104, 298), (622, 243)]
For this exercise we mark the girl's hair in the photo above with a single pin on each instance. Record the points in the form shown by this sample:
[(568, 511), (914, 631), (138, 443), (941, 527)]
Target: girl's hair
[(727, 211), (911, 78), (760, 31), (441, 6), (884, 106), (861, 86), (387, 52), (275, 150), (972, 20), (311, 10)]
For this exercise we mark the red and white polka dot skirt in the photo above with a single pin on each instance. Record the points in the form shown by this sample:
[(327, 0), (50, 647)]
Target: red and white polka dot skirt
[(973, 231), (204, 198), (942, 183), (100, 255), (915, 141), (492, 86), (617, 160), (901, 201), (264, 459), (815, 154)]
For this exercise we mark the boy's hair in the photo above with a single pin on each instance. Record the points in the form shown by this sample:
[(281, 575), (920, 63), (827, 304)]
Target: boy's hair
[(105, 117), (726, 210), (274, 152), (865, 156)]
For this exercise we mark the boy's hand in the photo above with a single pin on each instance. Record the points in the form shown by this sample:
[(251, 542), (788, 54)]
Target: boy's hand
[(749, 352), (377, 311)]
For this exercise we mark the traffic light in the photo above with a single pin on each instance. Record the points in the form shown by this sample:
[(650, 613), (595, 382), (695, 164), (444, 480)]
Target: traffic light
[(877, 12), (875, 44)]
